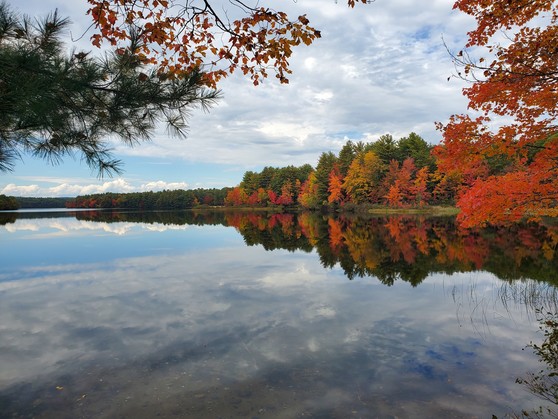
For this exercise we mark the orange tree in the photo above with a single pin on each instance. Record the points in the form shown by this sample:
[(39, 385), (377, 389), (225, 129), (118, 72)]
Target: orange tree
[(182, 36), (508, 151)]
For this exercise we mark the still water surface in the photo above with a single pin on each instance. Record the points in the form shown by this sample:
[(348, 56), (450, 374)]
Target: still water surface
[(107, 315)]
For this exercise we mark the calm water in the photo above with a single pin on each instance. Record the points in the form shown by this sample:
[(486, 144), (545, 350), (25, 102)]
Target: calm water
[(222, 315)]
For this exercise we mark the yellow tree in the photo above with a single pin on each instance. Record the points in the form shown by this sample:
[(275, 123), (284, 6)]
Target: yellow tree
[(308, 195), (363, 178)]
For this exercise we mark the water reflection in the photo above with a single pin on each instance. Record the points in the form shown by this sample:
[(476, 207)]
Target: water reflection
[(544, 381), (390, 249), (229, 330)]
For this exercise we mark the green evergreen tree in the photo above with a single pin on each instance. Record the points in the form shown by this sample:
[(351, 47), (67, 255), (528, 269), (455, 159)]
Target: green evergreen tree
[(419, 150), (55, 103), (323, 169), (386, 148), (346, 157)]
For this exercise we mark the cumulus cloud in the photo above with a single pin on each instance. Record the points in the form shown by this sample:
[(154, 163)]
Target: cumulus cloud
[(160, 186), (380, 69), (73, 189), (15, 190)]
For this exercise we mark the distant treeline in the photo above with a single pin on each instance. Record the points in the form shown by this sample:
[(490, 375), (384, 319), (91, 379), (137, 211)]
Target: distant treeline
[(388, 172), (8, 203), (14, 203), (167, 199), (31, 202)]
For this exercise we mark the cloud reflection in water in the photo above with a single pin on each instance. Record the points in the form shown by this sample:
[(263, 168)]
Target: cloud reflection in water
[(239, 331)]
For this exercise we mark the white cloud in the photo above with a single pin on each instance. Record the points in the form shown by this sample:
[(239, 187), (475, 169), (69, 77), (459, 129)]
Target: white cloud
[(15, 190), (160, 185), (72, 227), (73, 189), (323, 96), (310, 63), (288, 130), (379, 68)]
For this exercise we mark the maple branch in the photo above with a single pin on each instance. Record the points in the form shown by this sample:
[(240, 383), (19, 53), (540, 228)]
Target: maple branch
[(178, 38), (220, 24), (469, 64)]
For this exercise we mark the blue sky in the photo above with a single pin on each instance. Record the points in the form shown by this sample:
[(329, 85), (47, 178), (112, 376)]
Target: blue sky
[(380, 68)]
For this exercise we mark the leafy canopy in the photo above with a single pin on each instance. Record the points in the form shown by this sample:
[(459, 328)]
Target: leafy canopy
[(182, 36), (507, 156)]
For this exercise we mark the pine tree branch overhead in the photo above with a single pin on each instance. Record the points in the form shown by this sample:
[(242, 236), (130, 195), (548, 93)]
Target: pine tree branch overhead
[(56, 103)]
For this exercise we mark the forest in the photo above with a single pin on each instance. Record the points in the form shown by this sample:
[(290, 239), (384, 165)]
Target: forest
[(387, 172), (390, 173), (8, 203), (163, 200), (35, 202)]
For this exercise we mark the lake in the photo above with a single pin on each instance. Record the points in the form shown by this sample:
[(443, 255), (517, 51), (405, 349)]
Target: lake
[(107, 314)]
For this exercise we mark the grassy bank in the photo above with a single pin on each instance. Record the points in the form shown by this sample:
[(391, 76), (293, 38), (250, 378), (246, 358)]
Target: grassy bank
[(431, 210)]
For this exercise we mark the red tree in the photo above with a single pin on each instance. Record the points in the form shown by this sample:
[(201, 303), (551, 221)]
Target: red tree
[(512, 147)]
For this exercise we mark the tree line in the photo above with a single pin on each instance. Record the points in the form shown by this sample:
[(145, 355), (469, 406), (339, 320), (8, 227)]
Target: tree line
[(8, 203), (36, 202), (398, 173), (167, 199)]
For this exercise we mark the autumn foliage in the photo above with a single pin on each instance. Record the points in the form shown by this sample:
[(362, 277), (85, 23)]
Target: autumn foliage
[(356, 177), (506, 155), (177, 199), (404, 248), (180, 37)]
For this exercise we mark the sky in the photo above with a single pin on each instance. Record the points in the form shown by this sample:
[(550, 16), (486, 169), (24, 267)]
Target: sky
[(378, 69)]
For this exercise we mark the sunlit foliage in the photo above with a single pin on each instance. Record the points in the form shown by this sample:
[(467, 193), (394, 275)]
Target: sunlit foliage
[(506, 157), (216, 38)]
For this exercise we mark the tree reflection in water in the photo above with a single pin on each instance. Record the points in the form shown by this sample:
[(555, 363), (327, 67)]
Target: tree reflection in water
[(403, 248), (406, 248), (410, 248)]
